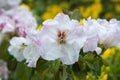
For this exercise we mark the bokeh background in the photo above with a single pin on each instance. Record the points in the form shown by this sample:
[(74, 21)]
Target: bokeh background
[(46, 9)]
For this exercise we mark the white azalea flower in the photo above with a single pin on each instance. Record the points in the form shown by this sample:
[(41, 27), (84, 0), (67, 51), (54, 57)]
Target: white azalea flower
[(24, 49), (8, 4), (17, 46), (22, 23), (26, 28), (6, 24), (62, 38), (31, 55), (17, 15), (111, 36), (92, 29), (103, 32), (31, 52), (13, 3)]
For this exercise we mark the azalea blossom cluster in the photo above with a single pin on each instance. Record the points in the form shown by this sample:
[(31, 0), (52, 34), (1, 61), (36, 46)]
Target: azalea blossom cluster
[(8, 4), (63, 38), (14, 18)]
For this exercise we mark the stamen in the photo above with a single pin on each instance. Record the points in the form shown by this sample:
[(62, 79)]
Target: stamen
[(61, 37)]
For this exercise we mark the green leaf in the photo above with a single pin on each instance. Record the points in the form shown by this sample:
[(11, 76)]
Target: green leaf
[(89, 57), (63, 73), (75, 15), (54, 66), (35, 76), (22, 72), (93, 61)]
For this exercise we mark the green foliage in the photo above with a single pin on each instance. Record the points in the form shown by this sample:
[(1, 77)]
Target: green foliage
[(75, 15), (89, 63)]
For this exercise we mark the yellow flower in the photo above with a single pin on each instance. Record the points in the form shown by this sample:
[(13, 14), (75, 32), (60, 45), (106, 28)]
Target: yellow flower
[(54, 8), (25, 6), (47, 15), (64, 5), (117, 7), (103, 76), (108, 53), (96, 8), (81, 22), (95, 15), (88, 77), (39, 27), (52, 11), (109, 15), (92, 10), (105, 68), (108, 68), (87, 12), (82, 9)]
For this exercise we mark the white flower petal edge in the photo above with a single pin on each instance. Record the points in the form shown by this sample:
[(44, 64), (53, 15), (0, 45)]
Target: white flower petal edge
[(105, 32), (71, 54), (8, 4), (6, 24), (24, 49), (17, 46), (60, 35), (51, 51), (31, 55), (31, 52), (91, 28)]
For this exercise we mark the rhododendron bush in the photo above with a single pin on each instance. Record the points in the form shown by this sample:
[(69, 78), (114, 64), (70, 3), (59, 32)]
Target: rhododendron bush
[(58, 48)]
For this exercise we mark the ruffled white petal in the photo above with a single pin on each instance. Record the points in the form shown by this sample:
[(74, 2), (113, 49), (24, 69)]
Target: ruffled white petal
[(16, 52), (71, 53), (17, 46), (51, 50), (91, 44), (31, 55), (62, 18)]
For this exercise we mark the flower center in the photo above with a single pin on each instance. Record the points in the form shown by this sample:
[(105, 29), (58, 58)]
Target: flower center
[(22, 46), (61, 37)]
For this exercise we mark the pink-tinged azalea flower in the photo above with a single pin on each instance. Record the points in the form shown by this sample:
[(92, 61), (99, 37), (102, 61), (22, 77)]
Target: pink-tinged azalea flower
[(101, 32), (21, 31), (3, 70), (24, 49), (2, 11), (31, 53), (6, 24), (17, 46), (8, 4), (23, 19), (91, 28), (111, 36), (62, 38), (21, 16)]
